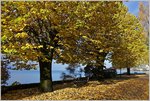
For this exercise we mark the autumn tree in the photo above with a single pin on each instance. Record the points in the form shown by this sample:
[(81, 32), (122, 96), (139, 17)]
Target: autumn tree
[(37, 31), (144, 17), (98, 28), (101, 30), (132, 50), (115, 33)]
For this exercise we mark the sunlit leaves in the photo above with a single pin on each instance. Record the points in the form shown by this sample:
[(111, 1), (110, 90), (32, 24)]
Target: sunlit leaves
[(144, 18), (76, 31), (21, 35)]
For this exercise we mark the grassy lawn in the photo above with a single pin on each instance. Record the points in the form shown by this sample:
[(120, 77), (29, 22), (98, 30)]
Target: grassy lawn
[(124, 88)]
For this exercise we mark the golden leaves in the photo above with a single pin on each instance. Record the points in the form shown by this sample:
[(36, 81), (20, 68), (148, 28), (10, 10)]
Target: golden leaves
[(113, 89), (102, 28), (21, 35)]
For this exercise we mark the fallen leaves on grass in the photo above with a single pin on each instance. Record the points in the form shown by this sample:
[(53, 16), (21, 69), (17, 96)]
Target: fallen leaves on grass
[(112, 89)]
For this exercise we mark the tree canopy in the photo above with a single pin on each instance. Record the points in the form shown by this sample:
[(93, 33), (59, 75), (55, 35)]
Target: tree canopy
[(144, 18)]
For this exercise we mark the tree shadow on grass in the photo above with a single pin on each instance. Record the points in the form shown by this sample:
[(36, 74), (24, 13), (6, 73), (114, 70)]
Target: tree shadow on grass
[(107, 81), (118, 79)]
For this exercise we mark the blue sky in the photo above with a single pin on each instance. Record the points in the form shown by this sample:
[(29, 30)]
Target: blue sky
[(132, 7)]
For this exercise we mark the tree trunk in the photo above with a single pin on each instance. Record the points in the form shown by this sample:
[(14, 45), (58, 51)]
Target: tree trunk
[(46, 76), (101, 59), (46, 84), (128, 71), (100, 62)]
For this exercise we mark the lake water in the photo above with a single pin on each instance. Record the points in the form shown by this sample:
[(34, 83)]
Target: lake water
[(33, 76), (30, 76)]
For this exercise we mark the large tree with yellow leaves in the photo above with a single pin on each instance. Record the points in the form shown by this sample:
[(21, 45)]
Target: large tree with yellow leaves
[(37, 31), (132, 50)]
